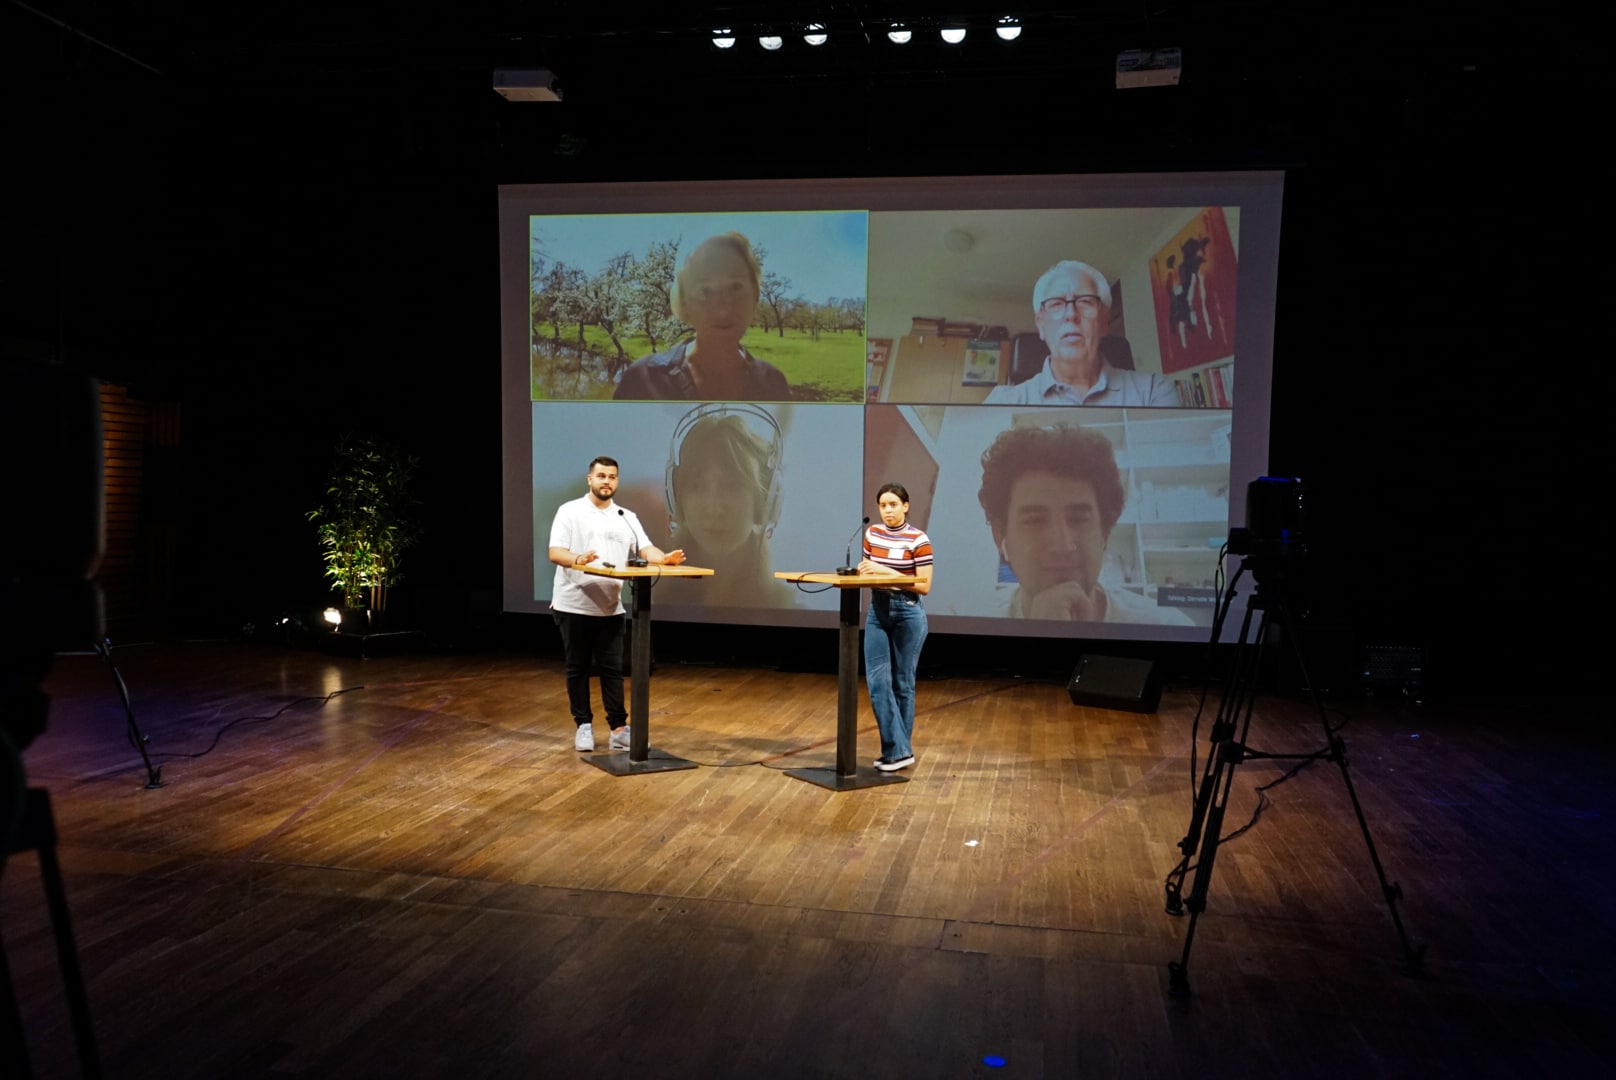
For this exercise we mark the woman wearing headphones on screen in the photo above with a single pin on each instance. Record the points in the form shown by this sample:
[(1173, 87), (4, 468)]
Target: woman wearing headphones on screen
[(724, 494), (897, 624), (715, 293)]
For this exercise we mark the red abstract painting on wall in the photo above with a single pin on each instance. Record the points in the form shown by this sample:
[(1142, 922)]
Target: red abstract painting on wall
[(1192, 279)]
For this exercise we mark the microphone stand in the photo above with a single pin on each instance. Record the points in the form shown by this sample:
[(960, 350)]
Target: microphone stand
[(849, 567), (634, 558)]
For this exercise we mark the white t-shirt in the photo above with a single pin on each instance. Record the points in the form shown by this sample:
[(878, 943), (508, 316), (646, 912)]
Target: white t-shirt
[(610, 532)]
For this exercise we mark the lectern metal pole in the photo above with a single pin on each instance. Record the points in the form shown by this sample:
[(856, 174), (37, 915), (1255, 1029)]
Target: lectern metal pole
[(639, 758), (847, 776), (639, 699), (847, 666)]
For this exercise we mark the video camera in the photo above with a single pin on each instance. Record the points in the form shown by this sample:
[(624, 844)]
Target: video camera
[(1274, 513)]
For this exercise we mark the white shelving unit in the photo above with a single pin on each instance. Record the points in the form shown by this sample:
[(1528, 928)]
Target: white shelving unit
[(1175, 465)]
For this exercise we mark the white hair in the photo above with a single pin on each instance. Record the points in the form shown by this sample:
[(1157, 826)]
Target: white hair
[(1040, 291)]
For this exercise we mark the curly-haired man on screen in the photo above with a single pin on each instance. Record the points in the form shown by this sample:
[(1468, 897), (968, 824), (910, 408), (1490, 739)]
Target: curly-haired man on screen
[(1052, 496)]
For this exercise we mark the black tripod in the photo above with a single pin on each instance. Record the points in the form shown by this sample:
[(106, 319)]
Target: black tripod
[(137, 738), (1227, 751)]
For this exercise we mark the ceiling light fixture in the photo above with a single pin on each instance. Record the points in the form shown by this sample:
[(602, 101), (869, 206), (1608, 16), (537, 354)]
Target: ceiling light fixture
[(724, 38), (771, 42), (953, 34), (814, 34), (899, 34), (1009, 28)]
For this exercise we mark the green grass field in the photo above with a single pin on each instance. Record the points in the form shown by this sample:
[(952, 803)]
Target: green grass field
[(830, 369)]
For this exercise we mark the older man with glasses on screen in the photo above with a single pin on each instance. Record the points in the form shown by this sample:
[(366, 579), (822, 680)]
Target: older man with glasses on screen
[(1072, 309)]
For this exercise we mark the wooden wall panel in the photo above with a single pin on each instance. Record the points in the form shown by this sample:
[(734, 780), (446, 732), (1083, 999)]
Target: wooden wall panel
[(137, 570)]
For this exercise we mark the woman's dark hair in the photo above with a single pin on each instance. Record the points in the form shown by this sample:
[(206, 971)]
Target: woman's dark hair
[(897, 489)]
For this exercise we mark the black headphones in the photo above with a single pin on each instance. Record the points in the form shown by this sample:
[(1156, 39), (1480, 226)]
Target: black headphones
[(761, 422)]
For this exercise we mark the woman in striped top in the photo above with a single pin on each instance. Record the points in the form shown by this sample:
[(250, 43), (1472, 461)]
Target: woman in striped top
[(897, 625)]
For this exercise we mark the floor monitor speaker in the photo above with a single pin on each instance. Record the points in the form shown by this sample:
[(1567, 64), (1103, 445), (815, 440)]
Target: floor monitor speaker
[(1116, 682)]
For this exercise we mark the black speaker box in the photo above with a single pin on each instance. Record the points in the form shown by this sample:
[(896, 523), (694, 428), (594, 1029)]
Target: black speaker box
[(1116, 682)]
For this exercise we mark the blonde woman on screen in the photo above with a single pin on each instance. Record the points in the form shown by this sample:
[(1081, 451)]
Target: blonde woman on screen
[(715, 293)]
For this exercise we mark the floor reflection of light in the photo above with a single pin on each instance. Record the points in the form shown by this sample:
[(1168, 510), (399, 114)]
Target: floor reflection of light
[(336, 735), (313, 693)]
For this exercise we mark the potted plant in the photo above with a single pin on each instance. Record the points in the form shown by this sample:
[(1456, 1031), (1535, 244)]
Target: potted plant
[(365, 525)]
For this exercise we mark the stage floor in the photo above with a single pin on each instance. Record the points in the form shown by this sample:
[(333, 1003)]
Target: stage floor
[(399, 866)]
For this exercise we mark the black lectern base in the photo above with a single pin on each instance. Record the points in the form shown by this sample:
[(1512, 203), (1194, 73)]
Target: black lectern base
[(863, 778), (620, 764)]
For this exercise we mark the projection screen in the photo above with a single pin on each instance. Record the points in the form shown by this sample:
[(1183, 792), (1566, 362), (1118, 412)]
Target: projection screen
[(897, 335)]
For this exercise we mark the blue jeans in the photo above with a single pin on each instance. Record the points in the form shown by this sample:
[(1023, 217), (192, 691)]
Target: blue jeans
[(893, 635)]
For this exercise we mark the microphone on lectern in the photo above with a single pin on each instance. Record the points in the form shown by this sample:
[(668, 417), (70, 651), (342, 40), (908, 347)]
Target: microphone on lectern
[(633, 542), (850, 567)]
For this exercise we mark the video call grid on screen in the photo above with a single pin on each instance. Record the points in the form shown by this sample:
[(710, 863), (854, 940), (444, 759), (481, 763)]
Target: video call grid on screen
[(888, 312)]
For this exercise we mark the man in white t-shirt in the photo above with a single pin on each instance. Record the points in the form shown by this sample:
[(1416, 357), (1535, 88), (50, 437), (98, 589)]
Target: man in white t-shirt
[(588, 608)]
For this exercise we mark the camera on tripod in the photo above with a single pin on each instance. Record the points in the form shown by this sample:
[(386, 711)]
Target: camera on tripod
[(1273, 532), (1271, 547)]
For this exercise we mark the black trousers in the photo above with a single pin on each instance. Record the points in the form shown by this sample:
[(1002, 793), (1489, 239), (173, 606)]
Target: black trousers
[(593, 642)]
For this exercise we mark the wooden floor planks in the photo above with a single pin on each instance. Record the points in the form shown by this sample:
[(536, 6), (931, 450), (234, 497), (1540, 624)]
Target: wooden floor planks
[(419, 876)]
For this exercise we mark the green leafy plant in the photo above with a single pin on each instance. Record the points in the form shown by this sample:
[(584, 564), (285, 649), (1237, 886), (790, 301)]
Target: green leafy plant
[(365, 524)]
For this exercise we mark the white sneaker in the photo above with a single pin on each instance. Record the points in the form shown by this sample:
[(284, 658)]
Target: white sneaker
[(584, 741), (619, 739)]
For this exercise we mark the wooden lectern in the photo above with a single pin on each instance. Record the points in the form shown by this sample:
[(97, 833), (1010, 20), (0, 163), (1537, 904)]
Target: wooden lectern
[(640, 759), (847, 775)]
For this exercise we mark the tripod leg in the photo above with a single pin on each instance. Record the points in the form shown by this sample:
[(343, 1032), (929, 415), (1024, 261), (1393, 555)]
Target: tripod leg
[(78, 1002), (13, 1046), (1222, 730), (37, 832), (1224, 754), (1413, 956), (1228, 756), (154, 773)]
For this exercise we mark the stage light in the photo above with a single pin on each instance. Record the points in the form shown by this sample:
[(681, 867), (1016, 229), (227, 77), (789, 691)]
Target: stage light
[(899, 34), (332, 616), (814, 34), (1009, 28), (953, 34), (771, 42), (724, 38)]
